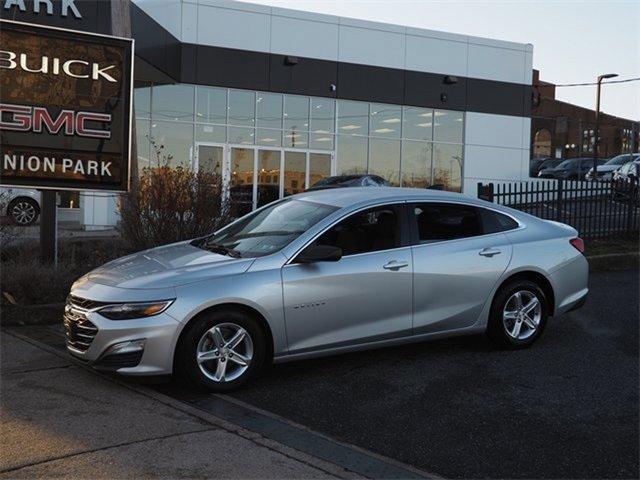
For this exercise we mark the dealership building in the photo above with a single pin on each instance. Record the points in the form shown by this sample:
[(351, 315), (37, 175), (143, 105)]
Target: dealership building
[(277, 98)]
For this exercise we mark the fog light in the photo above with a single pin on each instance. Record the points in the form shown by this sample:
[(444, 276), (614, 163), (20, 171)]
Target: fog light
[(131, 346)]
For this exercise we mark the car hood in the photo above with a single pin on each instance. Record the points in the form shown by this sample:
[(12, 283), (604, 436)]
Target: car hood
[(167, 266)]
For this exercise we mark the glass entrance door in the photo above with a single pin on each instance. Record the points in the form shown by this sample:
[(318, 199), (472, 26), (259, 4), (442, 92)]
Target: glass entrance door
[(209, 158), (241, 180), (268, 188)]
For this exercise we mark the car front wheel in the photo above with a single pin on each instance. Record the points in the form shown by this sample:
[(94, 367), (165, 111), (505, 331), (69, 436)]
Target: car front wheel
[(220, 351), (23, 211), (518, 315)]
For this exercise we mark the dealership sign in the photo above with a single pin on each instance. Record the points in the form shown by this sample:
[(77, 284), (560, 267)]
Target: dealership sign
[(65, 108)]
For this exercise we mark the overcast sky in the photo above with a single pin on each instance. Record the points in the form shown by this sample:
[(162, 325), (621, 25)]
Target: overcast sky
[(573, 41)]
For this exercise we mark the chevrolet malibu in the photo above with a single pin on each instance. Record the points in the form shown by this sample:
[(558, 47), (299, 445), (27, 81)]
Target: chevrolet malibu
[(322, 273)]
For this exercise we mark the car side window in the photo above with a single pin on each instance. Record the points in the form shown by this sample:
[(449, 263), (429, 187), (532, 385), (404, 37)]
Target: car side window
[(493, 222), (367, 231), (441, 221)]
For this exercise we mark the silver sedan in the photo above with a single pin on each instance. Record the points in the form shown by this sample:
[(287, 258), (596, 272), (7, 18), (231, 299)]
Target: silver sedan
[(323, 273)]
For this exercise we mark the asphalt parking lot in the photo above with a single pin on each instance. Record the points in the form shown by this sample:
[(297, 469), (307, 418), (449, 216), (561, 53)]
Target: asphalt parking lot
[(568, 407)]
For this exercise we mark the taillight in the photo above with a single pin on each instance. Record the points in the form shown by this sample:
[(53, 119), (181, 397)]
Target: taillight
[(578, 244)]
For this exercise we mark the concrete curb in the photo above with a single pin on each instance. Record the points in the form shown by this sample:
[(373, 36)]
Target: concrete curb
[(614, 261)]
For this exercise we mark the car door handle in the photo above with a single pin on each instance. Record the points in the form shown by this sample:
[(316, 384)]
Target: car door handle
[(395, 265), (489, 252)]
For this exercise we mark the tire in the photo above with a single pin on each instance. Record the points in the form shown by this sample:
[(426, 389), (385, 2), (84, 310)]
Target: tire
[(23, 211), (502, 329), (201, 338)]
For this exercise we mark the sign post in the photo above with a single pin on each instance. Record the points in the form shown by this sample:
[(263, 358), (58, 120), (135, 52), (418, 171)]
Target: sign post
[(65, 114)]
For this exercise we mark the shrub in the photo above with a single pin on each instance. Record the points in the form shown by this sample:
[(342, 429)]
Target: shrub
[(168, 204)]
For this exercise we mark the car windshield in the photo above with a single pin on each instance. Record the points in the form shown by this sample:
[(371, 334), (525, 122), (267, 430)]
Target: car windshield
[(566, 164), (620, 159), (268, 230)]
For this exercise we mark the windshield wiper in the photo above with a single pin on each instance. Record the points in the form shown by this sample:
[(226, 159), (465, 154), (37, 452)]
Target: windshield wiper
[(219, 248)]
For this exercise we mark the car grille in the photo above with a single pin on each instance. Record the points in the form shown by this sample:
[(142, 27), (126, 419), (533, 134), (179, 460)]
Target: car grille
[(79, 331)]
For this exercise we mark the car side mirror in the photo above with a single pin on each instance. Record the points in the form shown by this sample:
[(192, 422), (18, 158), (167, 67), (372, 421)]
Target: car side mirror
[(319, 253)]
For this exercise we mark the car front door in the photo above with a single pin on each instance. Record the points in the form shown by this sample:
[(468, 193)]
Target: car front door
[(363, 297), (458, 256)]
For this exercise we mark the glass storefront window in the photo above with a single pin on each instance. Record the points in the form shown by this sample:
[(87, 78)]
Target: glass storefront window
[(295, 166), (210, 159), (417, 123), (296, 114), (269, 138), (269, 109), (211, 105), (142, 102), (416, 164), (447, 166), (293, 139), (242, 108), (173, 102), (351, 155), (175, 142), (384, 159), (211, 133), (242, 135), (268, 176), (322, 115), (448, 126), (142, 143), (353, 118), (319, 167), (321, 141), (386, 120)]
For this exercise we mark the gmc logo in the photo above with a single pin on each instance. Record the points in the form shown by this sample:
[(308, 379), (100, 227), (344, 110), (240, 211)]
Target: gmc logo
[(23, 118)]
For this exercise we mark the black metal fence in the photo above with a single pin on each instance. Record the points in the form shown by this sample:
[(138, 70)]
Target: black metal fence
[(595, 208)]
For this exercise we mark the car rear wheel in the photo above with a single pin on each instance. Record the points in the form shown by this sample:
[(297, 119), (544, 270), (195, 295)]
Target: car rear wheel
[(23, 211), (518, 315), (220, 351)]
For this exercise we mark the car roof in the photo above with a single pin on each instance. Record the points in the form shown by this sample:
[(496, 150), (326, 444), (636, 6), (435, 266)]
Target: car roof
[(345, 197)]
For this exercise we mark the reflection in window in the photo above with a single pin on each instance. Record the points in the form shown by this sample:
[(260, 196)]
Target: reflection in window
[(322, 115), (321, 141), (142, 143), (294, 172), (447, 166), (296, 121), (353, 118), (269, 138), (142, 102), (173, 102), (241, 135), (386, 120), (448, 126), (211, 133), (294, 139), (319, 167), (176, 140), (210, 159), (211, 105), (352, 155), (417, 123), (241, 108), (384, 159), (269, 110), (268, 176), (416, 164)]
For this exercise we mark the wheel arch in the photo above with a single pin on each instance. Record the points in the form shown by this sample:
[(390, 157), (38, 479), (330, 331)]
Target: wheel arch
[(534, 276), (238, 307)]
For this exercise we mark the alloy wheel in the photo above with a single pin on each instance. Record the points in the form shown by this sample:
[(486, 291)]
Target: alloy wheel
[(224, 352), (522, 314), (23, 212)]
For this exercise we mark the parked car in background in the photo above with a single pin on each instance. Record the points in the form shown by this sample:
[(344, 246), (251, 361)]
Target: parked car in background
[(626, 182), (570, 169), (605, 172), (327, 272), (22, 205), (340, 181), (546, 162)]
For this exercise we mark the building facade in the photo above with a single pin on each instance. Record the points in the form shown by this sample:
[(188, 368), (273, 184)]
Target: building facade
[(279, 98)]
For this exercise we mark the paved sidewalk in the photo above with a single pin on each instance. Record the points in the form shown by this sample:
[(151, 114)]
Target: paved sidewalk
[(59, 420)]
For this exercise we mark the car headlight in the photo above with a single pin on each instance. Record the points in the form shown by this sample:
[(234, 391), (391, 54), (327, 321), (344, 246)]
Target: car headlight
[(127, 311)]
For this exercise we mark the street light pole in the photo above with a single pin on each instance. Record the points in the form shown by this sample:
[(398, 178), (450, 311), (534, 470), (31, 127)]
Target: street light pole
[(597, 128)]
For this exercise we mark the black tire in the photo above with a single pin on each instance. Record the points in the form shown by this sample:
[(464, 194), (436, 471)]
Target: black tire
[(18, 208), (186, 366), (496, 328)]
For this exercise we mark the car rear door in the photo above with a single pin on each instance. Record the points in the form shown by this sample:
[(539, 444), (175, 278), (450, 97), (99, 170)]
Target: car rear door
[(458, 256), (363, 297)]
